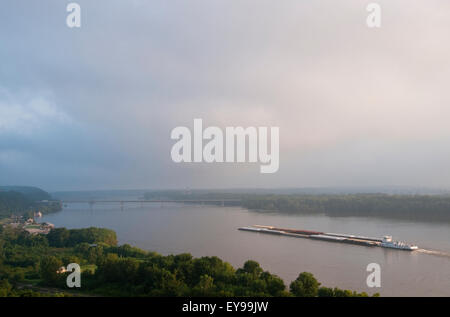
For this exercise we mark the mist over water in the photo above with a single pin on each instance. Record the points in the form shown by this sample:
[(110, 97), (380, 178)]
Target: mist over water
[(212, 231)]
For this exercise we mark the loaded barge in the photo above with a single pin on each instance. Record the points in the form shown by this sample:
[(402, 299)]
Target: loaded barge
[(385, 242)]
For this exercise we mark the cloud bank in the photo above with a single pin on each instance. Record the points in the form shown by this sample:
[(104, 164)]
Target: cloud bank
[(93, 107)]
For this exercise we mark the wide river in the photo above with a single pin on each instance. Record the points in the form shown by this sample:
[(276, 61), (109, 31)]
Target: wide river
[(210, 230)]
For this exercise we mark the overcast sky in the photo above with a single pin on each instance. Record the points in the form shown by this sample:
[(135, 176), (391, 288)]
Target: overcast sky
[(92, 108)]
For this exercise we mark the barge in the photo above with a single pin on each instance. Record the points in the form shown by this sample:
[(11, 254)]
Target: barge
[(385, 242)]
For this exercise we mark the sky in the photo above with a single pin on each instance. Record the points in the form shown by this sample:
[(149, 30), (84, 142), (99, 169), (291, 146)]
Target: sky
[(93, 107)]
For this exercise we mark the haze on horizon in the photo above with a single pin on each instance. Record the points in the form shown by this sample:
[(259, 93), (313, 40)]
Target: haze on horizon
[(93, 108)]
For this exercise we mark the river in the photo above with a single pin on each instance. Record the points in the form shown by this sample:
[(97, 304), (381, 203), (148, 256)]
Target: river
[(211, 230)]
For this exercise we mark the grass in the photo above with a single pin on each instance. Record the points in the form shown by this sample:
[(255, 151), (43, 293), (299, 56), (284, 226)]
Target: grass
[(32, 227)]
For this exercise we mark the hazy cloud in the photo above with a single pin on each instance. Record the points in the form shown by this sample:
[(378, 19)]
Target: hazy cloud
[(94, 107)]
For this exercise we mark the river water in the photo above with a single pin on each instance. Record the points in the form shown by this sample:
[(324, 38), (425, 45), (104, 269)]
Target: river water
[(211, 230)]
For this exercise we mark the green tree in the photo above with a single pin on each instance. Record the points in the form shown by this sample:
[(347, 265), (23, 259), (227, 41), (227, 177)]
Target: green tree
[(58, 237), (49, 267), (325, 292), (274, 285), (5, 288), (251, 267), (305, 285), (342, 292), (205, 286)]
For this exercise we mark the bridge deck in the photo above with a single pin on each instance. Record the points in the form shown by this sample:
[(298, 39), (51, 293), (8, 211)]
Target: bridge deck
[(154, 201)]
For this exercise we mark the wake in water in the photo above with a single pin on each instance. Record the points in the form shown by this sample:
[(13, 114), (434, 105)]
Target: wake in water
[(434, 252)]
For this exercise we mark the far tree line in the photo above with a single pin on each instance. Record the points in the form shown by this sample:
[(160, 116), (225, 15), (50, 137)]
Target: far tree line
[(405, 207), (18, 202)]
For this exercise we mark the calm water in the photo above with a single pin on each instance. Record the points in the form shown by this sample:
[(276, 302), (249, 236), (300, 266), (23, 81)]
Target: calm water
[(207, 231)]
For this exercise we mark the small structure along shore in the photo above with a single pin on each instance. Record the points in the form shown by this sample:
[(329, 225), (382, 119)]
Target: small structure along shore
[(29, 225)]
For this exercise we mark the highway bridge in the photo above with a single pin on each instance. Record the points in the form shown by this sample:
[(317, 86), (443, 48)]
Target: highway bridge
[(161, 201)]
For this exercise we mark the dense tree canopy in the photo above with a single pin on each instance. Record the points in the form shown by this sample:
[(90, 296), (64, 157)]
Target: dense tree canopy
[(61, 237), (13, 203), (407, 207), (24, 201)]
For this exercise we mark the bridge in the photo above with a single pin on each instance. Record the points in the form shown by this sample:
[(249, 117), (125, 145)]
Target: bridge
[(161, 201)]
